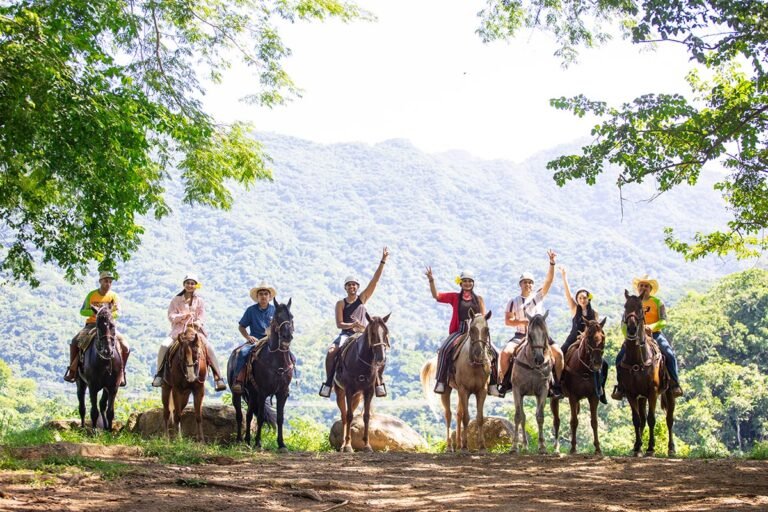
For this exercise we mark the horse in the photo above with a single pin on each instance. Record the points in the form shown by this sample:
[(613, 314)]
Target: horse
[(101, 369), (185, 374), (643, 377), (472, 369), (531, 371), (270, 375), (581, 379), (360, 367)]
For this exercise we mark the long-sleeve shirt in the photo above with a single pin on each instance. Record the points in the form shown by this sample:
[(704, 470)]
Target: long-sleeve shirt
[(95, 298), (181, 314)]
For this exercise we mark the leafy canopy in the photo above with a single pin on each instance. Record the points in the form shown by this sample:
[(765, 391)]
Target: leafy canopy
[(670, 138), (99, 99)]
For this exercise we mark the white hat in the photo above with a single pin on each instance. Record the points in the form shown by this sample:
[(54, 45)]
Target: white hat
[(191, 277), (105, 273), (262, 286), (526, 275), (351, 279), (467, 274)]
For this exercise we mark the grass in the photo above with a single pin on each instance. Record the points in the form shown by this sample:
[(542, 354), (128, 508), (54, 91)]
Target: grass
[(57, 465)]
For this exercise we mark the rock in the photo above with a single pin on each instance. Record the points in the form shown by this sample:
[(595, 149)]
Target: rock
[(218, 423), (76, 449), (385, 433), (64, 425), (497, 431)]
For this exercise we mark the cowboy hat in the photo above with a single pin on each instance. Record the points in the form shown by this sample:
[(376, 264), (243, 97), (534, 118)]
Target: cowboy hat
[(645, 279), (262, 286), (105, 273)]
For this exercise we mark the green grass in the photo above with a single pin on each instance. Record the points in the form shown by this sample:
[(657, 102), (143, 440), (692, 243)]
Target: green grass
[(58, 464), (759, 451)]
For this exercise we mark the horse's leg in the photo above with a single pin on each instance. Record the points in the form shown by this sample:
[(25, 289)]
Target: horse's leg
[(480, 398), (651, 424), (462, 419), (642, 404), (367, 397), (593, 417), (541, 399), (249, 418), (81, 400), (103, 404), (519, 418), (165, 395), (554, 406), (636, 422), (670, 403), (237, 403), (199, 394), (351, 406), (445, 398), (180, 400), (94, 408), (341, 402), (261, 404), (281, 399), (575, 407)]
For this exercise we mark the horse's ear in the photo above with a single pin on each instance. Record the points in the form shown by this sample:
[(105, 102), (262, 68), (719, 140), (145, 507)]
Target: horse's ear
[(386, 318), (471, 312), (546, 314), (602, 324), (289, 303), (488, 315), (626, 294), (274, 301), (368, 317)]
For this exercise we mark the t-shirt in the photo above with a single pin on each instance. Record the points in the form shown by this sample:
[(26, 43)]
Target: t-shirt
[(96, 299), (257, 320), (519, 306)]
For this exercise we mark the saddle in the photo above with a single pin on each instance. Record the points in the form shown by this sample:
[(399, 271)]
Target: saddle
[(85, 340), (651, 354), (348, 344), (255, 351), (458, 344)]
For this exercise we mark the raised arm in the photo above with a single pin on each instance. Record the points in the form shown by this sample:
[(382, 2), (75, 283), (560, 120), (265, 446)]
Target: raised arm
[(431, 279), (368, 292), (568, 297), (550, 272)]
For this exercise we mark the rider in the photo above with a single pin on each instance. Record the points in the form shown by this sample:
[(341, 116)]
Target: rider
[(350, 318), (529, 303), (102, 296), (257, 319), (187, 309), (582, 311), (655, 321), (462, 303)]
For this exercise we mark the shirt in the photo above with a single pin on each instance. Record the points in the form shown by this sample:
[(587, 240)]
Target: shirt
[(96, 299), (179, 314), (453, 299), (519, 306), (257, 320)]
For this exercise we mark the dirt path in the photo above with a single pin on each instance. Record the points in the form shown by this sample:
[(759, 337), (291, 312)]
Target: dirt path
[(390, 481)]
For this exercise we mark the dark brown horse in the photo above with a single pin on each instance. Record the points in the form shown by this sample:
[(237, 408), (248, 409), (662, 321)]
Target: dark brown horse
[(101, 369), (270, 375), (184, 375), (581, 379), (360, 367), (643, 377)]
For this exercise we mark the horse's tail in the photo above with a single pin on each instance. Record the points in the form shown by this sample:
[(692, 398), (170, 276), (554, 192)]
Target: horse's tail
[(270, 415), (427, 374)]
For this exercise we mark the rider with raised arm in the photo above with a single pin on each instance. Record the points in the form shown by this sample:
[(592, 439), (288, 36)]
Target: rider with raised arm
[(350, 318), (529, 303), (462, 302), (99, 297)]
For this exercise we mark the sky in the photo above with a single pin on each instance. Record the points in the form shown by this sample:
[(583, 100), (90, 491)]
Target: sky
[(420, 72)]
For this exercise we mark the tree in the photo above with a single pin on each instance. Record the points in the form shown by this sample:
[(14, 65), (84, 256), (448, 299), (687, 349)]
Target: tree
[(669, 138), (100, 99)]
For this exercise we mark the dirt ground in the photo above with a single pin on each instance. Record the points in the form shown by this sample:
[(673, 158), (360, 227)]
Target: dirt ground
[(398, 481)]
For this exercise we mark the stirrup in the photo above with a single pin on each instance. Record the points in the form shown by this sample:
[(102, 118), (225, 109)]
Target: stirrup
[(439, 388), (237, 387), (493, 390), (380, 390), (69, 376), (157, 382), (325, 391), (123, 380), (617, 393), (676, 391), (220, 385)]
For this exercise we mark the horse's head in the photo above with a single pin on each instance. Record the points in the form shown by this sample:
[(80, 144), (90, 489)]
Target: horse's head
[(377, 334), (479, 337), (281, 328), (594, 343), (106, 331), (634, 317), (538, 336), (191, 349)]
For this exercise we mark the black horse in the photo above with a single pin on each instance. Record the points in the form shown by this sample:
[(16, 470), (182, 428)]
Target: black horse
[(270, 375), (101, 369)]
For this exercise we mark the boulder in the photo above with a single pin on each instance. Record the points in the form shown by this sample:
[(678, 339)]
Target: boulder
[(496, 430), (385, 433), (64, 425), (218, 423), (62, 449)]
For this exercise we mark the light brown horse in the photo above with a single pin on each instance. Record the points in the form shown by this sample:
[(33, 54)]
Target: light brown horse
[(531, 372), (360, 368), (643, 377), (581, 379), (184, 375), (470, 374)]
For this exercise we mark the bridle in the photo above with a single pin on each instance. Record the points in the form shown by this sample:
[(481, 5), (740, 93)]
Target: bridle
[(484, 340)]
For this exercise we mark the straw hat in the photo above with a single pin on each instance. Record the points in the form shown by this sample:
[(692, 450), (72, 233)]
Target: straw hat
[(645, 279), (262, 286)]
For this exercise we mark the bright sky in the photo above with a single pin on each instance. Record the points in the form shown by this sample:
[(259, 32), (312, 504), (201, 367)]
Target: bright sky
[(421, 73)]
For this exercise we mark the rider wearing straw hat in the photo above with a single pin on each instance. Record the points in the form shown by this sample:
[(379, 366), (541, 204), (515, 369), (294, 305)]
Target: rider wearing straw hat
[(256, 320), (187, 309), (350, 318), (655, 321)]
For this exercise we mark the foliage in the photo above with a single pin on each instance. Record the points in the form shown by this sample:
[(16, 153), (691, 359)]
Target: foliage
[(99, 99), (668, 138)]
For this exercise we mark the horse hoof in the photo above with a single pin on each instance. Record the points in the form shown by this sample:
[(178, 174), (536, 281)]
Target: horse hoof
[(347, 449), (572, 451), (598, 451), (542, 451), (649, 453), (638, 454), (482, 451), (671, 453), (282, 449), (368, 449)]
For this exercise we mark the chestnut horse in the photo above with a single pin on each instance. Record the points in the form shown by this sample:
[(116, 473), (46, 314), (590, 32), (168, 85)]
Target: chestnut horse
[(101, 369), (360, 367), (470, 374), (643, 377), (581, 379), (184, 374)]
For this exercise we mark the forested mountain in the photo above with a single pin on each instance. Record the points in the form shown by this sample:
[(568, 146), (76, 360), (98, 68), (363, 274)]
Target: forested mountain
[(329, 212)]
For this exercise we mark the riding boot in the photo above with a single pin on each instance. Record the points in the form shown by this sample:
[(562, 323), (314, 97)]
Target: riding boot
[(161, 353), (555, 390), (214, 364), (676, 390), (330, 371), (617, 394), (71, 373), (381, 389), (237, 387), (493, 383), (506, 383)]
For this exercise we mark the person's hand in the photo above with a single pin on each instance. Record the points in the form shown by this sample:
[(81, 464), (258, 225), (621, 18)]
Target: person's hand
[(358, 327), (428, 273), (561, 268), (252, 340), (552, 256), (384, 254), (648, 330)]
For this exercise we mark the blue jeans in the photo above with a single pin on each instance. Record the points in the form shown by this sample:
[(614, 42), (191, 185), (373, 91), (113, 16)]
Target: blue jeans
[(242, 358), (669, 355)]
